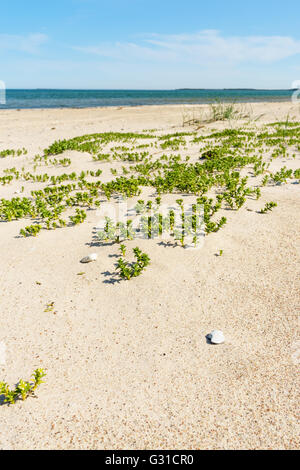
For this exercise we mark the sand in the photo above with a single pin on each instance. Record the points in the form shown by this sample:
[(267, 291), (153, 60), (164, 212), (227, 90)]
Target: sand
[(128, 364)]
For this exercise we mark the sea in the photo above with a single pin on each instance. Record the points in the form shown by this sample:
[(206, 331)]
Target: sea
[(44, 98)]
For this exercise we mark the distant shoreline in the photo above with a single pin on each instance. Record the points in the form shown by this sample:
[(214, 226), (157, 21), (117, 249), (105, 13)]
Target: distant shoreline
[(238, 89)]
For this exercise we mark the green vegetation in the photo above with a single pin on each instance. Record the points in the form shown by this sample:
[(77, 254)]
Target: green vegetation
[(218, 111), (13, 153), (23, 389), (225, 169), (79, 217), (31, 230), (268, 207), (128, 270), (116, 232), (282, 175), (228, 159), (223, 111), (92, 143)]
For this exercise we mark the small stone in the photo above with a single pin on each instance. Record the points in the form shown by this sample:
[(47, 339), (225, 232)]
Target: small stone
[(216, 337), (89, 258)]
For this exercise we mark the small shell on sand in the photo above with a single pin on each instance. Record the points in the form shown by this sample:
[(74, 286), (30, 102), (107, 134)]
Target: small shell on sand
[(216, 337), (89, 258)]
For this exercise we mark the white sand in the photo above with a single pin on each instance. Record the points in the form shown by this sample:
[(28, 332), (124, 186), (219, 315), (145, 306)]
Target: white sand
[(128, 365)]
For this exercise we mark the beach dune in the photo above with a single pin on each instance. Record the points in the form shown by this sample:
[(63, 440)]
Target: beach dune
[(128, 363)]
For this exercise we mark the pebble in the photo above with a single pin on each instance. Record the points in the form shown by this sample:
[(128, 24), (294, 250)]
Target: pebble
[(216, 337), (89, 258)]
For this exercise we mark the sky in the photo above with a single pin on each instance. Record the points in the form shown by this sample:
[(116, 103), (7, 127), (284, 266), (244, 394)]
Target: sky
[(150, 44)]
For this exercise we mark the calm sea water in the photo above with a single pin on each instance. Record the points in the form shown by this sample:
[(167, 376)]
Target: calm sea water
[(18, 99)]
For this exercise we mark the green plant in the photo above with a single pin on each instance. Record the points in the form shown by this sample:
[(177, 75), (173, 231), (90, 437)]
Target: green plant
[(222, 111), (13, 153), (23, 389), (128, 270), (31, 230), (265, 180), (282, 175), (297, 173), (116, 232), (79, 217), (268, 207)]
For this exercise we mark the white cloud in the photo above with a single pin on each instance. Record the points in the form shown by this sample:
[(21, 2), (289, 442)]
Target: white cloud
[(128, 51), (30, 43), (204, 47)]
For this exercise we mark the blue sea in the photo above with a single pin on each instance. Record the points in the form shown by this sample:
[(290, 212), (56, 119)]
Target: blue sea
[(42, 98)]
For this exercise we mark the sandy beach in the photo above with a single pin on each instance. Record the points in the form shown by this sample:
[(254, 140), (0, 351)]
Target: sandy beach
[(128, 364)]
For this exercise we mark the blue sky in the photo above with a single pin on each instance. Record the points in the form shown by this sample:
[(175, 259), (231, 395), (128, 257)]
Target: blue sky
[(149, 44)]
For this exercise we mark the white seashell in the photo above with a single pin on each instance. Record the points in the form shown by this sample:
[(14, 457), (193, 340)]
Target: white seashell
[(89, 258), (216, 337)]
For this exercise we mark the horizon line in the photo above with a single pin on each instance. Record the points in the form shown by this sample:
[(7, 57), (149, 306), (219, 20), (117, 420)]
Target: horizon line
[(153, 89)]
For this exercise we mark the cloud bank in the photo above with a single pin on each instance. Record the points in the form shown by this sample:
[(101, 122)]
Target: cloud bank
[(208, 46)]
